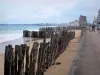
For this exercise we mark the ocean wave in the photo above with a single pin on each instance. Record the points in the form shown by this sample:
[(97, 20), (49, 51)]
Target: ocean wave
[(9, 37)]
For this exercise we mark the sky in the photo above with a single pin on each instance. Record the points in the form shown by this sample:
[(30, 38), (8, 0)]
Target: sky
[(46, 11)]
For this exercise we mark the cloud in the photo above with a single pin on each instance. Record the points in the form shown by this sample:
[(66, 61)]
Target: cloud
[(89, 8), (25, 10), (38, 11)]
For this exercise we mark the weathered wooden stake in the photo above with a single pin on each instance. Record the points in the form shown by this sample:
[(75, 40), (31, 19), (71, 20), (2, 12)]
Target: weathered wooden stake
[(27, 61)]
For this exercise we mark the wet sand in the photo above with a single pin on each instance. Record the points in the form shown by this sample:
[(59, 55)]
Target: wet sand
[(1, 64), (18, 41)]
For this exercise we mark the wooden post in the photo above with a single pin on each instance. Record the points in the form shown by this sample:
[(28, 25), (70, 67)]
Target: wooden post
[(16, 58), (23, 47), (27, 61), (40, 58), (43, 57), (20, 57), (33, 58), (8, 60), (5, 61)]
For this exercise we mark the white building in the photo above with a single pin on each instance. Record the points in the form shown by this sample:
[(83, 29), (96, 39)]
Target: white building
[(74, 23), (95, 20)]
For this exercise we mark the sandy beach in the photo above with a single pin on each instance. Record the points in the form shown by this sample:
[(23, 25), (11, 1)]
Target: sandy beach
[(65, 58)]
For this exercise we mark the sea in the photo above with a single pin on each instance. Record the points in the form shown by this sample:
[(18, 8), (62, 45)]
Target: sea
[(10, 32), (13, 31)]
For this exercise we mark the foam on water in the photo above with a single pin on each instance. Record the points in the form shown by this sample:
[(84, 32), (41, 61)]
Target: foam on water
[(10, 36)]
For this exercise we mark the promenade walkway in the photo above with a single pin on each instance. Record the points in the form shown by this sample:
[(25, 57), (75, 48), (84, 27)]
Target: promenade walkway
[(89, 55)]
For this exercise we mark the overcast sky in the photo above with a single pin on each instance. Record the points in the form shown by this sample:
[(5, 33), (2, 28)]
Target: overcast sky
[(46, 11)]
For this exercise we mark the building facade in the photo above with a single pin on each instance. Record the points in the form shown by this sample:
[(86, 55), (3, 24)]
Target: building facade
[(82, 20), (98, 18)]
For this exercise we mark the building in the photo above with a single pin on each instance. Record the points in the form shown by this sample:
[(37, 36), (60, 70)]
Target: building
[(74, 23), (95, 20), (98, 18), (82, 20)]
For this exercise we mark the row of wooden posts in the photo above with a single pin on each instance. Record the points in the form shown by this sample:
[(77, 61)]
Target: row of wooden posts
[(22, 60), (48, 30)]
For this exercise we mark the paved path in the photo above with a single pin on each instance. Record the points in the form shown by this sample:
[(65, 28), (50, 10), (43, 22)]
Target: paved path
[(89, 62)]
